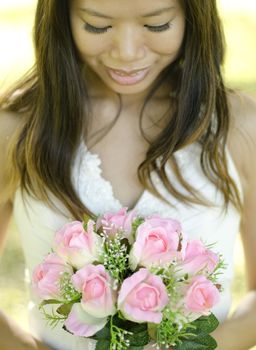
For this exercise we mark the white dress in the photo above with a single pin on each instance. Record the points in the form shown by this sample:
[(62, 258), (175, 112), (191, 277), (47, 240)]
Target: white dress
[(37, 224)]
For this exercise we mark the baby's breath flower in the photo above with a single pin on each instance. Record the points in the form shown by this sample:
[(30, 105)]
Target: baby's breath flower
[(116, 258)]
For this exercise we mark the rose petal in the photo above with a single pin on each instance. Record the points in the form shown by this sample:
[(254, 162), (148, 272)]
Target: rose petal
[(82, 324), (137, 315), (130, 283)]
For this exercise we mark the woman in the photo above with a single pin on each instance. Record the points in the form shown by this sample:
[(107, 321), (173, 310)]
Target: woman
[(122, 88)]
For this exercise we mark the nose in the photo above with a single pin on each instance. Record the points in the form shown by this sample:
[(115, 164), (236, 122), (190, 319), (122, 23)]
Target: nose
[(128, 44)]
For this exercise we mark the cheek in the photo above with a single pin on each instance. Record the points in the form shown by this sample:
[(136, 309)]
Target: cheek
[(169, 43), (89, 47), (165, 46), (86, 44)]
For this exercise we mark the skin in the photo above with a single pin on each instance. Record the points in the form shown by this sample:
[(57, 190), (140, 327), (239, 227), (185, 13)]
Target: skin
[(128, 44)]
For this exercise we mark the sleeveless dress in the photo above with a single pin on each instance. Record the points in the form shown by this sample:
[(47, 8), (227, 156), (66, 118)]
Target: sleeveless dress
[(37, 224)]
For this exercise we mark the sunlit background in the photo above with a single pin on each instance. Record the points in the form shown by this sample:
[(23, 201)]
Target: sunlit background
[(16, 56)]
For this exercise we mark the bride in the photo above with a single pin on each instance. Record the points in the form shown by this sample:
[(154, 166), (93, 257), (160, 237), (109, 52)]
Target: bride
[(126, 107)]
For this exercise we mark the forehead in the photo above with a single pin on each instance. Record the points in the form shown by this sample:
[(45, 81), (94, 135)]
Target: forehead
[(123, 8)]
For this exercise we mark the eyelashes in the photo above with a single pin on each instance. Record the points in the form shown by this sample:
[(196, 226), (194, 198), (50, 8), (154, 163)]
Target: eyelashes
[(157, 29), (89, 28), (160, 28)]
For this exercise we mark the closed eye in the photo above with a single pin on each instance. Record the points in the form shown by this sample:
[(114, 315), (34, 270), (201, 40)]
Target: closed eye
[(160, 28), (89, 28), (96, 30)]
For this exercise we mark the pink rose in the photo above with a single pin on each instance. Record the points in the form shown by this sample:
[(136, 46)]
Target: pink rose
[(198, 257), (46, 277), (142, 297), (77, 246), (82, 324), (158, 241), (98, 301), (201, 295), (94, 282), (114, 222)]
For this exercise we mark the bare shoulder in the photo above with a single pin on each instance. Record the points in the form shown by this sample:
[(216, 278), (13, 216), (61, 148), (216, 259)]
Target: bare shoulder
[(242, 144), (243, 111), (9, 122), (242, 134), (9, 125)]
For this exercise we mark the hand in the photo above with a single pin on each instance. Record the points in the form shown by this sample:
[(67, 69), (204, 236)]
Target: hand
[(13, 337), (246, 305)]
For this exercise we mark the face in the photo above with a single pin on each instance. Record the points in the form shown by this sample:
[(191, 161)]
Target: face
[(127, 43)]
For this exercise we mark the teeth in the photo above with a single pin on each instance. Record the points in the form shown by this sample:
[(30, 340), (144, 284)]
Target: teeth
[(125, 75)]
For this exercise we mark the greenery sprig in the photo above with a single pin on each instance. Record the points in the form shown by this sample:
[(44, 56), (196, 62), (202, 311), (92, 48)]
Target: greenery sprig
[(54, 317), (119, 339), (172, 329), (214, 276), (116, 257), (68, 293)]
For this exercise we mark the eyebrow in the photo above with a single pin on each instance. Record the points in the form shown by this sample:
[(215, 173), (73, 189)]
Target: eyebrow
[(151, 14)]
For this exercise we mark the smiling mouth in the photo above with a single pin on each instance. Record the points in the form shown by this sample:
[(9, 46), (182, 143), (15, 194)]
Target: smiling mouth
[(127, 77), (123, 72)]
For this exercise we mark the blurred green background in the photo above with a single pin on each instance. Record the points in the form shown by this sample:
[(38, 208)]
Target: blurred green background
[(16, 22)]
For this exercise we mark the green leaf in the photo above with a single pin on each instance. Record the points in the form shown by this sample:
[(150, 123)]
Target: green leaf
[(103, 344), (136, 327), (152, 330), (140, 336), (64, 309), (139, 339), (201, 342), (48, 302), (206, 324), (103, 334)]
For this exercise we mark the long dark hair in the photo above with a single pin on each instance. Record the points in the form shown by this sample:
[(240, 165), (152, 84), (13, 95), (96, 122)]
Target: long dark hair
[(54, 103)]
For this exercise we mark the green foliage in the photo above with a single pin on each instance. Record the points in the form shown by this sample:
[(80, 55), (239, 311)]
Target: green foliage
[(68, 293), (116, 257), (200, 338), (103, 344), (172, 330), (87, 218), (52, 318), (136, 223), (120, 334), (215, 275), (169, 277), (64, 309)]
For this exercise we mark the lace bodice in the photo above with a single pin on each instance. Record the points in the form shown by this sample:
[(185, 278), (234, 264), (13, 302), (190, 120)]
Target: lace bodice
[(37, 223)]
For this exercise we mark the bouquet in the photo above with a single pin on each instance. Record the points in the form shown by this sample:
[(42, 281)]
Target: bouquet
[(126, 281)]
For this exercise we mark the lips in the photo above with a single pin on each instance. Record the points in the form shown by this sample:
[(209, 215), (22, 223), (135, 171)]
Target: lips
[(124, 77), (127, 72)]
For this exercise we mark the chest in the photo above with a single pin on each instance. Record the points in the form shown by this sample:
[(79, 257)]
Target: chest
[(121, 150)]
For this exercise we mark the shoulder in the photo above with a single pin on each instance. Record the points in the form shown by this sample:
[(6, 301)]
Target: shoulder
[(243, 111), (242, 135), (242, 144), (10, 123)]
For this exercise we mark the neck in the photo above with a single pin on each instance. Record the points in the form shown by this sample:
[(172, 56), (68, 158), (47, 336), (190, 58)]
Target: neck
[(98, 90)]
